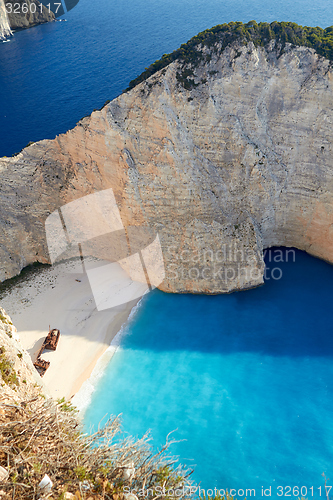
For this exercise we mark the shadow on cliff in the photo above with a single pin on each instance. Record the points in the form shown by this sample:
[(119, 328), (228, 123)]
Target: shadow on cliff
[(292, 316)]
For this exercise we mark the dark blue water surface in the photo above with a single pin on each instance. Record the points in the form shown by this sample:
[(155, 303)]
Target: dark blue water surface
[(53, 75), (246, 378)]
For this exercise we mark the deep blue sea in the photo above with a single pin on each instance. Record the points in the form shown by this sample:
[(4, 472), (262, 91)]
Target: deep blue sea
[(247, 378)]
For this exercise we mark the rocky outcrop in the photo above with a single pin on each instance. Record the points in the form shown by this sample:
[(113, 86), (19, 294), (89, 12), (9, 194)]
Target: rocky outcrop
[(240, 161), (27, 13), (19, 379), (5, 30)]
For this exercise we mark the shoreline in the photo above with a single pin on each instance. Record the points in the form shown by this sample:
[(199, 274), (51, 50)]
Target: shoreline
[(60, 296), (82, 398), (86, 384)]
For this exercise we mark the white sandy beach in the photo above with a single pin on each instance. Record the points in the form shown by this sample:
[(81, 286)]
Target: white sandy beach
[(60, 296)]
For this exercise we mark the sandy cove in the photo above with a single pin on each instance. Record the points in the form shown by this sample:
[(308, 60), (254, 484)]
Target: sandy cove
[(60, 296)]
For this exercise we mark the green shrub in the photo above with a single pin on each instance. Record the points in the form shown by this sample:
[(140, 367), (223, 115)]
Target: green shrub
[(7, 371), (5, 320)]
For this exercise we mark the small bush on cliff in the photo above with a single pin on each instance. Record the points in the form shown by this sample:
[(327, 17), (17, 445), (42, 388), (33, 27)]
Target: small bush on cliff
[(7, 372), (4, 319), (191, 53)]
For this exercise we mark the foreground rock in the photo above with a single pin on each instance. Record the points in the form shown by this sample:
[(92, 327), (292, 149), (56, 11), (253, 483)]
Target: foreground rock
[(239, 162)]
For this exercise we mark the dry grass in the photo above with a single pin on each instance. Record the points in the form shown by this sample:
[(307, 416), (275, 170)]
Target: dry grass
[(40, 437)]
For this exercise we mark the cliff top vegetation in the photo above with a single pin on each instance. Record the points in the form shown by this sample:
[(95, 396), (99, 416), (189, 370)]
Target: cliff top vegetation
[(260, 34)]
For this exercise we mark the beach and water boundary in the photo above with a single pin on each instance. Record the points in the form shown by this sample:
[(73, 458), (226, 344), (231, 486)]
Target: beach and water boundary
[(60, 297)]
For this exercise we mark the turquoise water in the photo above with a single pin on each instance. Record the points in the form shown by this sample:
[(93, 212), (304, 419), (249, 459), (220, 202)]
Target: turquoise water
[(246, 378), (53, 75)]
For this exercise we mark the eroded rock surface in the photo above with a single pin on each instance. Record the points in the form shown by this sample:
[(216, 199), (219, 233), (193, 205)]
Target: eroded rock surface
[(241, 162), (27, 13)]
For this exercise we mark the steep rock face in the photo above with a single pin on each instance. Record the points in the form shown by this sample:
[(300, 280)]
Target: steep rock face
[(18, 377), (27, 13), (240, 162)]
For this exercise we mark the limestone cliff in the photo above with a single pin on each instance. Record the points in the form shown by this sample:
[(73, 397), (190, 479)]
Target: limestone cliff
[(27, 13), (236, 161)]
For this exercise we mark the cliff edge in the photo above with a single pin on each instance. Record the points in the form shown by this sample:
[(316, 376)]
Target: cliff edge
[(222, 154)]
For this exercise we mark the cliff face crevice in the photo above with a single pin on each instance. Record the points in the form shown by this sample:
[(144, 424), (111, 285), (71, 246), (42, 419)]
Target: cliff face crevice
[(240, 162)]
